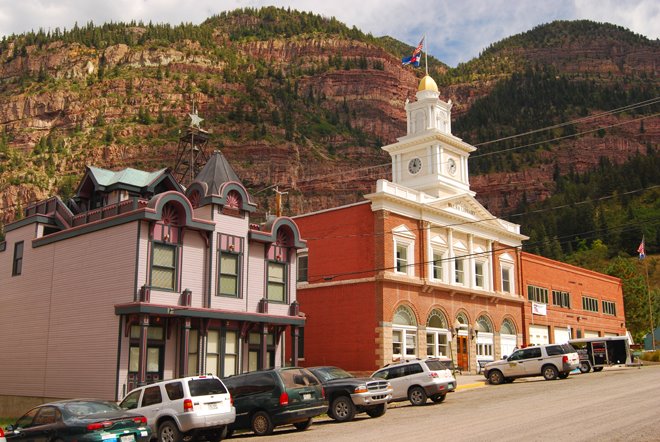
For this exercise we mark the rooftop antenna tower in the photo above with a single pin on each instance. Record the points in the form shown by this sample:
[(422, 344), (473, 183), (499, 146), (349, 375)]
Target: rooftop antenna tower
[(191, 153)]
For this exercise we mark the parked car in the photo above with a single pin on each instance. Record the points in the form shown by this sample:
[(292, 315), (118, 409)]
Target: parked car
[(551, 361), (348, 395), (83, 420), (597, 353), (419, 379), (185, 407), (269, 398)]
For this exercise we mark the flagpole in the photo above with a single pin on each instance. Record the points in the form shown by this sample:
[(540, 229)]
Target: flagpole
[(426, 56)]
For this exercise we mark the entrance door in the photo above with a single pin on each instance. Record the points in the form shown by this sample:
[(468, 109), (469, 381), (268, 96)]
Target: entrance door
[(462, 352)]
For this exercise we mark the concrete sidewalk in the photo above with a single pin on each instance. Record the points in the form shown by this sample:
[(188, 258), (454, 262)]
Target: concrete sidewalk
[(467, 381)]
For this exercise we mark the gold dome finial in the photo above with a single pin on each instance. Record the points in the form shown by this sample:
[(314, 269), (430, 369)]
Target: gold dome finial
[(427, 84)]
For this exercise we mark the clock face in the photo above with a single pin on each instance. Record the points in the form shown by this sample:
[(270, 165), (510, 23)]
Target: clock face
[(451, 166), (415, 165)]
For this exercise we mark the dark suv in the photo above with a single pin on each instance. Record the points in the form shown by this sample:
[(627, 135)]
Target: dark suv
[(348, 395), (265, 399)]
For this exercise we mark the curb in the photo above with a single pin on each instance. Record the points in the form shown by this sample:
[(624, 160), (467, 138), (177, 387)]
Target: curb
[(470, 386)]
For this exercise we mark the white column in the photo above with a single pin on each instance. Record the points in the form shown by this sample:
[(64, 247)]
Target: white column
[(469, 271), (452, 262)]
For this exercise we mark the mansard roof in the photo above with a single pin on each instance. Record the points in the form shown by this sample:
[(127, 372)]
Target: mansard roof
[(127, 179)]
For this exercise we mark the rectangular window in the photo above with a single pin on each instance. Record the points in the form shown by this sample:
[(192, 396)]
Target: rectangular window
[(401, 258), (459, 274), (561, 299), (437, 265), (17, 266), (163, 267), (537, 294), (193, 352), (212, 352), (609, 308), (589, 304), (229, 274), (302, 268), (479, 274), (276, 282), (231, 353), (506, 280)]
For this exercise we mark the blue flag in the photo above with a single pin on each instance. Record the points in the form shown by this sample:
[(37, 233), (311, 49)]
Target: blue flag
[(415, 57)]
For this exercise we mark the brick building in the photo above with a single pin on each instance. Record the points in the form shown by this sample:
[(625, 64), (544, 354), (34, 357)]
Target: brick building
[(421, 268)]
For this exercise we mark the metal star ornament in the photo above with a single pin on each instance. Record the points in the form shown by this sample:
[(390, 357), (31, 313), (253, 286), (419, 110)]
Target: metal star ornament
[(195, 119)]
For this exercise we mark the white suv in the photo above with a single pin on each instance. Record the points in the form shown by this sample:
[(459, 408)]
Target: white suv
[(419, 379), (192, 406), (551, 361)]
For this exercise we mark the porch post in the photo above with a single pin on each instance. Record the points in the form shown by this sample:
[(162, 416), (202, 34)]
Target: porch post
[(185, 347), (142, 364), (263, 347), (295, 334)]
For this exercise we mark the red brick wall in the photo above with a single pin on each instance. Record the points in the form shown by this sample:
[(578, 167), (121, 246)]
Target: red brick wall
[(554, 275)]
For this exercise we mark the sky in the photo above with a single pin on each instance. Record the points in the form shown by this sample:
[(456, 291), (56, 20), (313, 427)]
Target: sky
[(456, 30)]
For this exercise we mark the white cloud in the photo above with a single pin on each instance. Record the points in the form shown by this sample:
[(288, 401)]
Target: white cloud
[(456, 31)]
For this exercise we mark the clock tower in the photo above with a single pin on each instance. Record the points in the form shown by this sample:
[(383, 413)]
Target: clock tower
[(429, 158)]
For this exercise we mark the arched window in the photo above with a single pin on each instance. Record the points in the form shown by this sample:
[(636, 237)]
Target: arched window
[(404, 333), (508, 339), (437, 334), (483, 328)]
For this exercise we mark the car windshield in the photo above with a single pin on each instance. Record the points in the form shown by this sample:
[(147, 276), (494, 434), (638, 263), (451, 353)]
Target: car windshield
[(205, 387), (84, 408), (329, 373)]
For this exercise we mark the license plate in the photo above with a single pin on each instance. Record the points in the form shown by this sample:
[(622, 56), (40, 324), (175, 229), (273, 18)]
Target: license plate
[(127, 438), (213, 405), (306, 396)]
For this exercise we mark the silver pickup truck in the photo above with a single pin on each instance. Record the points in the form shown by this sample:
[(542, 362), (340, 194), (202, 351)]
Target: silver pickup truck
[(551, 361)]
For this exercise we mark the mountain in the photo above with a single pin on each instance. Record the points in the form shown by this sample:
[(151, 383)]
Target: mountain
[(303, 102)]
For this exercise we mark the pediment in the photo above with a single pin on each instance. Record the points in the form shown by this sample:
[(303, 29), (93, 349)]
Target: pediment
[(403, 230)]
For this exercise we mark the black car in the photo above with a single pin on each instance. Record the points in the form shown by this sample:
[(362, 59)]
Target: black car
[(265, 399), (349, 395), (83, 420)]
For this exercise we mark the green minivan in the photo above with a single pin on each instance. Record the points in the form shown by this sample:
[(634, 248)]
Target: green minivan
[(265, 399)]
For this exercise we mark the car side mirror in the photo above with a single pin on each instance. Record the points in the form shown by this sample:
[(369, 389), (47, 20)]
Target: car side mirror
[(505, 356), (9, 428)]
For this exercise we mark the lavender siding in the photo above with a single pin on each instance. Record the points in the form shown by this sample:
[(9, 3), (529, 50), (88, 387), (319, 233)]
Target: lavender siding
[(69, 289)]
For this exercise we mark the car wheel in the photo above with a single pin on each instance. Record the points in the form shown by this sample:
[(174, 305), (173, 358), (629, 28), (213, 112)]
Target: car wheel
[(563, 375), (169, 432), (377, 411), (438, 398), (343, 409), (302, 426), (585, 367), (417, 396), (495, 377), (550, 372), (261, 424), (597, 369)]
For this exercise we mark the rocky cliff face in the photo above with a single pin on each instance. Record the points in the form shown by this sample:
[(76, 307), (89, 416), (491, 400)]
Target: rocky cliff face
[(306, 113)]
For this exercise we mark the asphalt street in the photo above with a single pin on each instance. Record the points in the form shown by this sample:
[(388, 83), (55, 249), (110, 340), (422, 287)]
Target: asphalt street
[(618, 404)]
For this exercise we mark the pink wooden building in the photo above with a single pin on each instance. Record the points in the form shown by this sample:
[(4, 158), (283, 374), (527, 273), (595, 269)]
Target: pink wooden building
[(137, 279)]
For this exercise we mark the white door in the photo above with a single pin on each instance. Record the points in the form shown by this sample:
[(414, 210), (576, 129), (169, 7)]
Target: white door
[(507, 344), (590, 334), (538, 335), (562, 335)]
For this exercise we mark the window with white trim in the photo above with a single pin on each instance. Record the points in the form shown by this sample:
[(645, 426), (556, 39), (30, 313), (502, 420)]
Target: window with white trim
[(484, 337), (404, 243), (303, 265), (459, 272), (561, 298), (537, 294), (609, 308), (479, 274), (276, 274), (437, 335), (589, 304), (404, 334), (193, 352), (229, 265)]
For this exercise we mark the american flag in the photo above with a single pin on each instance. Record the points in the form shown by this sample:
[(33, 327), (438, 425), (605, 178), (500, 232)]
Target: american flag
[(416, 55)]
